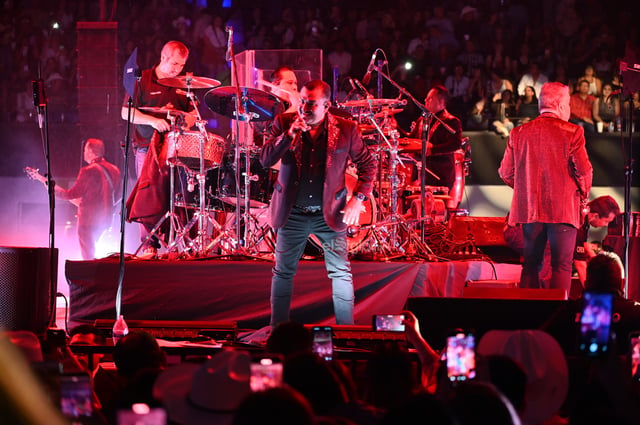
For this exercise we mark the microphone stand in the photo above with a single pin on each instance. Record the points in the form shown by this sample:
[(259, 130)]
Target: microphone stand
[(125, 175), (241, 114), (425, 141), (628, 177), (40, 102)]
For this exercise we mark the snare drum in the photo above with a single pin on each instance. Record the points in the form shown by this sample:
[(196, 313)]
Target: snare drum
[(183, 148)]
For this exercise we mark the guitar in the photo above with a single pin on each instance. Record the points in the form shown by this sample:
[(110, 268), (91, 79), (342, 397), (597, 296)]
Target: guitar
[(34, 174)]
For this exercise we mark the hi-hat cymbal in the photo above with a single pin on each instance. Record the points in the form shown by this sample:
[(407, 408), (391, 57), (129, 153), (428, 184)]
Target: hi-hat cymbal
[(258, 104), (190, 82), (365, 103), (162, 110), (406, 144)]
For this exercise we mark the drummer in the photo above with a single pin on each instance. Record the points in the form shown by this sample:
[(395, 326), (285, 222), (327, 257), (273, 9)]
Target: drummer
[(441, 143), (284, 84), (149, 198)]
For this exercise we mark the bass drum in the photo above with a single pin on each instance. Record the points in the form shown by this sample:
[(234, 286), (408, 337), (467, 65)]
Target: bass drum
[(355, 236)]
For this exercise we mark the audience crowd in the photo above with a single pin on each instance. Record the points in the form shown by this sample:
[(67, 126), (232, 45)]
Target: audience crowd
[(520, 376), (477, 48)]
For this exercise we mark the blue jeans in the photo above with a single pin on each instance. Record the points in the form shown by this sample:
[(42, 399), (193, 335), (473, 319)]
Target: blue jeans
[(290, 243), (562, 242)]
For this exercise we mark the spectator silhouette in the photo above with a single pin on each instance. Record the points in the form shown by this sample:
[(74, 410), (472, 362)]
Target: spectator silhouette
[(206, 393), (420, 405), (480, 403), (288, 338), (544, 364), (390, 377), (138, 360), (314, 379), (274, 406)]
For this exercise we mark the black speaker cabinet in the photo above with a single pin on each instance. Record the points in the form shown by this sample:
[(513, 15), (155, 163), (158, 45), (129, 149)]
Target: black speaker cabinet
[(27, 291), (438, 316)]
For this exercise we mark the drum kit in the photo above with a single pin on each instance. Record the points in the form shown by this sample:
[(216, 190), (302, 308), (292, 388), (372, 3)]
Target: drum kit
[(388, 221), (392, 233)]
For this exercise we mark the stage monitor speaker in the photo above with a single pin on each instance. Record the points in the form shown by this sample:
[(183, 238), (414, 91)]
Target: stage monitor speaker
[(486, 233), (27, 292), (439, 315)]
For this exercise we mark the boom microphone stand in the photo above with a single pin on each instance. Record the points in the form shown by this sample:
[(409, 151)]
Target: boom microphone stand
[(40, 102), (425, 141)]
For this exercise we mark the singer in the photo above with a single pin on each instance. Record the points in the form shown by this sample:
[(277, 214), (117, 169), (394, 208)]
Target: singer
[(314, 147)]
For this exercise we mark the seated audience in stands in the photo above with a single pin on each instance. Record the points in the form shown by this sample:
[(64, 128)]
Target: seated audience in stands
[(504, 111), (527, 106), (595, 83), (581, 103), (606, 110)]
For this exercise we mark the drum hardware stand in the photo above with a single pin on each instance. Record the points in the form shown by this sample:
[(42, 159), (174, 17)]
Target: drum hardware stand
[(241, 112), (387, 230), (174, 222)]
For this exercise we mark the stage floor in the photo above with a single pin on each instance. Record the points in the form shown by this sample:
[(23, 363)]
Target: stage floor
[(226, 290)]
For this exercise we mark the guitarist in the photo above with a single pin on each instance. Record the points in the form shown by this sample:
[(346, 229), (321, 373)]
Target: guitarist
[(96, 192)]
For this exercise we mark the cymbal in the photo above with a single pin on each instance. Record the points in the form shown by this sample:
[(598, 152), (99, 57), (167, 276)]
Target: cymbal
[(189, 81), (162, 110), (259, 105), (365, 103), (406, 144)]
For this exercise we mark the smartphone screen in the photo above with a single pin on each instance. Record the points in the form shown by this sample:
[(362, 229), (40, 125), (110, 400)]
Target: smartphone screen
[(595, 323), (323, 341), (142, 414), (388, 322), (75, 395), (461, 356), (634, 345), (266, 372)]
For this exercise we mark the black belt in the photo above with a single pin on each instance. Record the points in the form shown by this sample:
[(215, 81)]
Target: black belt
[(313, 209)]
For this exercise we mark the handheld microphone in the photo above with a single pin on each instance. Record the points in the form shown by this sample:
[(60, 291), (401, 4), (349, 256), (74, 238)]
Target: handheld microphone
[(367, 76), (298, 133)]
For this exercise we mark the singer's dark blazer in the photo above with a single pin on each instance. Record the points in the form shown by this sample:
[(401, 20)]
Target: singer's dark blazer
[(344, 145)]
